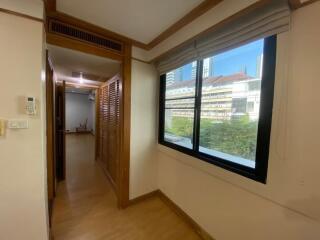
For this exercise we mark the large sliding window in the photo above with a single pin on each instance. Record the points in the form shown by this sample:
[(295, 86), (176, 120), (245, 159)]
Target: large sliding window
[(219, 109)]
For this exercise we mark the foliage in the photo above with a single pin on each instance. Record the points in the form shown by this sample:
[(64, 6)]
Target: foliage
[(181, 126), (236, 137)]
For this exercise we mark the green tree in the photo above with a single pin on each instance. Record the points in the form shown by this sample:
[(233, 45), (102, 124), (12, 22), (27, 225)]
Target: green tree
[(181, 126), (236, 137)]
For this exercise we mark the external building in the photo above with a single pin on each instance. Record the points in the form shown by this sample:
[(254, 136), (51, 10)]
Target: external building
[(223, 97)]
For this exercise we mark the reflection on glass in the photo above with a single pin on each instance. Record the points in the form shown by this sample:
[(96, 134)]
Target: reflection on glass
[(179, 105), (180, 83), (230, 104)]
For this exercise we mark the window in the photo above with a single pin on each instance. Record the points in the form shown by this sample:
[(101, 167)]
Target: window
[(219, 109), (180, 105)]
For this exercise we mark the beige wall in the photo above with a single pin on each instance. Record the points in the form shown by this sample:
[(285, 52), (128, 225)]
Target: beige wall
[(32, 8), (22, 152), (143, 161), (230, 206)]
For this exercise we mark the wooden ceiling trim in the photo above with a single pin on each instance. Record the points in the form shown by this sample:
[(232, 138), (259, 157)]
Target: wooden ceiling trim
[(76, 33), (50, 5), (220, 24), (203, 7), (188, 18), (295, 4), (70, 43), (93, 28), (21, 15)]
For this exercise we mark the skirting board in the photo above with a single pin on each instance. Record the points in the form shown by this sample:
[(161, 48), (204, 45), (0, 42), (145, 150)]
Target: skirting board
[(88, 132), (144, 197), (174, 207)]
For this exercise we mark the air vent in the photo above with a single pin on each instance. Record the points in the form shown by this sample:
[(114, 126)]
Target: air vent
[(69, 31)]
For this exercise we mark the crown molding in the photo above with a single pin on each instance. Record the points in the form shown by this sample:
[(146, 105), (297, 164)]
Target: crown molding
[(202, 8), (185, 20), (18, 14), (50, 5), (295, 4), (218, 25)]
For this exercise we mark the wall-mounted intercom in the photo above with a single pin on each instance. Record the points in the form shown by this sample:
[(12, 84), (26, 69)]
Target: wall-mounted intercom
[(31, 108)]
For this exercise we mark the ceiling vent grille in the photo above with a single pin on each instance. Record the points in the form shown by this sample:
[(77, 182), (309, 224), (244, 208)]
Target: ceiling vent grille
[(69, 31)]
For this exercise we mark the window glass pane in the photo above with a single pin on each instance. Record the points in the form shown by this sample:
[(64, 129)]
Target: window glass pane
[(230, 104), (181, 82), (179, 105), (179, 127)]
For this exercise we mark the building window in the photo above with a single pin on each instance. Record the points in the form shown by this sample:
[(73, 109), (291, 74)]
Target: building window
[(219, 109)]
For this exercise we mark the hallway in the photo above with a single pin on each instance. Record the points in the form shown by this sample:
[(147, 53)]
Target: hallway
[(86, 208)]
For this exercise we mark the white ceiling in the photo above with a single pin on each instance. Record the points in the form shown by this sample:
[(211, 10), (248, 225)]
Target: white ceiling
[(66, 61), (141, 20)]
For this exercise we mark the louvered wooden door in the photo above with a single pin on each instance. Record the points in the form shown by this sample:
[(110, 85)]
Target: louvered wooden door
[(110, 129), (103, 124)]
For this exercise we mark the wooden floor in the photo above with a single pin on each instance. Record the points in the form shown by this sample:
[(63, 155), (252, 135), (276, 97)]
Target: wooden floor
[(85, 206)]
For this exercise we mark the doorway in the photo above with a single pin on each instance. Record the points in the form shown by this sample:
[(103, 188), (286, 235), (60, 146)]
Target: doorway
[(77, 100)]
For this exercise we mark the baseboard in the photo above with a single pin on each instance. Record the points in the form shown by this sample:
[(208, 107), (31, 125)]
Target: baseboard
[(144, 197), (174, 207), (72, 132), (198, 229)]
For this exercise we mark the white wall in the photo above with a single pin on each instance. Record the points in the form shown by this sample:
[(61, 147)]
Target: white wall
[(78, 109), (143, 160), (230, 206), (23, 195)]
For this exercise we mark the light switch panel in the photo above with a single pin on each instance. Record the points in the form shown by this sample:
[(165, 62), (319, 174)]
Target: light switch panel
[(18, 124)]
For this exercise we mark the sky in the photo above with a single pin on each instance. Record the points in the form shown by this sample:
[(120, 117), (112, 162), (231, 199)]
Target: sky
[(233, 61)]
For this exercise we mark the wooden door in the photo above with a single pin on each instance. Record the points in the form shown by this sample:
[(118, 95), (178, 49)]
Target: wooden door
[(60, 132), (50, 135), (110, 129)]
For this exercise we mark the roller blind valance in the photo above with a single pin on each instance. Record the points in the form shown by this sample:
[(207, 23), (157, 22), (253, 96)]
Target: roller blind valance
[(267, 20)]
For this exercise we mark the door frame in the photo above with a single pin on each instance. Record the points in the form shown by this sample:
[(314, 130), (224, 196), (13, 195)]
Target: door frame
[(125, 109), (60, 133), (50, 119)]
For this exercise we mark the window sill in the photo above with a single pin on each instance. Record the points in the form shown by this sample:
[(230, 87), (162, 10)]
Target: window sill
[(191, 158)]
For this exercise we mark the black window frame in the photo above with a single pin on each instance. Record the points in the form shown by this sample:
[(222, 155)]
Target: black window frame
[(259, 173)]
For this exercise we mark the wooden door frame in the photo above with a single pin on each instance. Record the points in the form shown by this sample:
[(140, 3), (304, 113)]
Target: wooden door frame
[(64, 129), (97, 125), (125, 124), (125, 111), (60, 89), (50, 116)]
